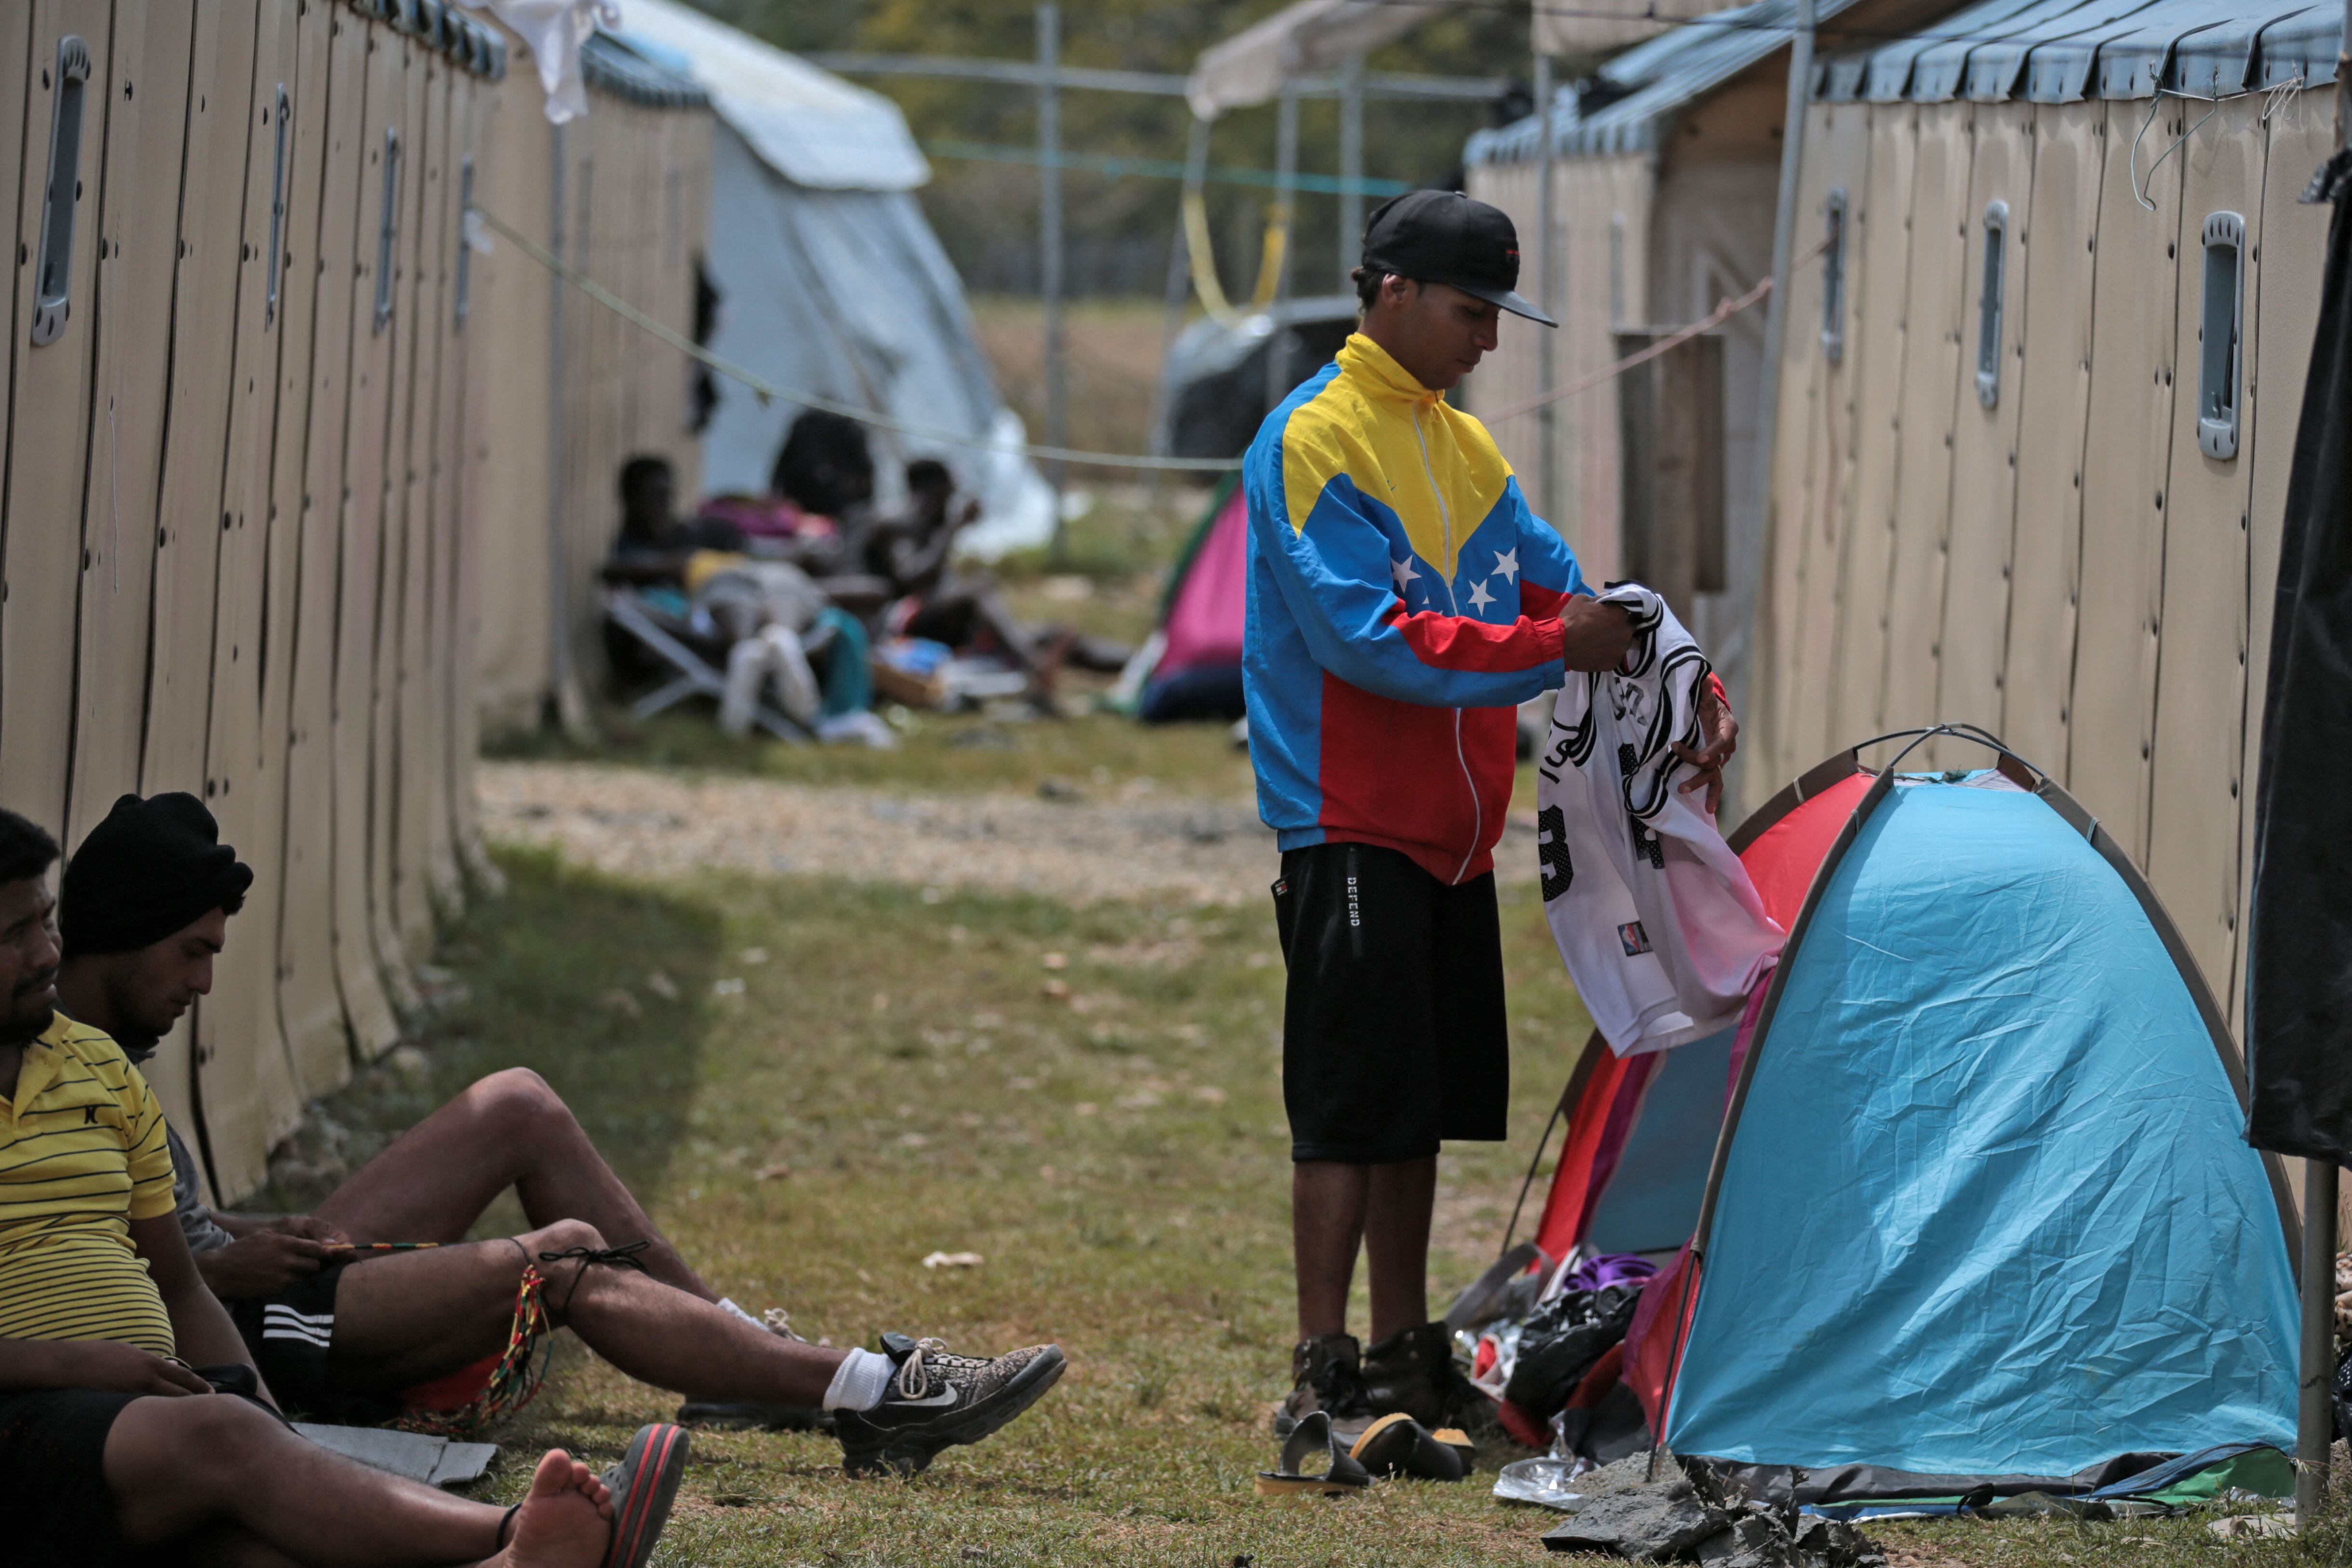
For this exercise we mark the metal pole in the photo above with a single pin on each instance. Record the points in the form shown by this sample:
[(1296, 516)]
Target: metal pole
[(1547, 236), (1749, 563), (569, 711), (1286, 196), (1049, 207), (2314, 1425), (1179, 295), (1351, 168)]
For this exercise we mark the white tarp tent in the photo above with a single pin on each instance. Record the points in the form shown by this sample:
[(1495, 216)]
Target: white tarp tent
[(830, 281), (1596, 27), (1304, 40)]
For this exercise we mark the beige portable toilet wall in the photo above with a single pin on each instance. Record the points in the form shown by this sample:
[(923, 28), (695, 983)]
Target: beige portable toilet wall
[(1997, 498), (1664, 207), (191, 573), (573, 390)]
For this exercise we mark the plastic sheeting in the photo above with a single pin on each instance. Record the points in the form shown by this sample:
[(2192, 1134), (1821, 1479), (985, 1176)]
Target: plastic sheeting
[(1985, 1209), (847, 295), (809, 126), (1300, 39)]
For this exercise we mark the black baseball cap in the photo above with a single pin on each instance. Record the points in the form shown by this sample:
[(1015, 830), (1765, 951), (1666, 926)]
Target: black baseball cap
[(1444, 237)]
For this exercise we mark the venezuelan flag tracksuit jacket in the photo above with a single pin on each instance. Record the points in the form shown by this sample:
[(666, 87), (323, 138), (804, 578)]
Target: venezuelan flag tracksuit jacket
[(1402, 602)]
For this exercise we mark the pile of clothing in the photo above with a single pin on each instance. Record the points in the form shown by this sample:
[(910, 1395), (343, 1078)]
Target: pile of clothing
[(1548, 1346)]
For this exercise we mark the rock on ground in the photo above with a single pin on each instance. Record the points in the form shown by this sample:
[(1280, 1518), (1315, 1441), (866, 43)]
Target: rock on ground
[(1651, 1524), (1629, 1515)]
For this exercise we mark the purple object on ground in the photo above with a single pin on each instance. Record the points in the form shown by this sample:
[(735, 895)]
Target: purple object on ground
[(1609, 1268)]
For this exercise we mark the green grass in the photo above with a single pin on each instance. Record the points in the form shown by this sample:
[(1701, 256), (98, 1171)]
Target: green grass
[(895, 1079), (1100, 754), (894, 1075)]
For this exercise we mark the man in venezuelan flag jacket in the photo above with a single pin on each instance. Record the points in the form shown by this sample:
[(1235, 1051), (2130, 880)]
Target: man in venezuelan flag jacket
[(1403, 601)]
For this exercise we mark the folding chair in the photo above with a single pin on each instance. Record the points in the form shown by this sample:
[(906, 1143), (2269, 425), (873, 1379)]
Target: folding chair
[(673, 642)]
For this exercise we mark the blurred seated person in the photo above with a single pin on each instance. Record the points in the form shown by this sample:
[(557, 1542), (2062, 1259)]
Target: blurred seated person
[(964, 610), (654, 545), (819, 494), (769, 615), (772, 617)]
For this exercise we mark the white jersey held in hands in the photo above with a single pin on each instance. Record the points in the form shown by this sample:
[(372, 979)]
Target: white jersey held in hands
[(1661, 928)]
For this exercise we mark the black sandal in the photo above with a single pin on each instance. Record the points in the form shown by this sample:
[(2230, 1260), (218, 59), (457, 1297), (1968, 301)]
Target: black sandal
[(1312, 1435), (1399, 1446)]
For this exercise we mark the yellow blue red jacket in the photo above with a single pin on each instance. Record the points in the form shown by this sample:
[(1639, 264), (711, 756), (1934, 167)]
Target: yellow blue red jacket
[(1402, 602)]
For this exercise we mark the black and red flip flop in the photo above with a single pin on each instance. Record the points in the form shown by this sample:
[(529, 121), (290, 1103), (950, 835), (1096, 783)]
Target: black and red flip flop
[(644, 1485)]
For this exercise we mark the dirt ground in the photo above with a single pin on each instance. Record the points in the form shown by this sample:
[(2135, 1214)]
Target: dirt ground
[(1139, 843)]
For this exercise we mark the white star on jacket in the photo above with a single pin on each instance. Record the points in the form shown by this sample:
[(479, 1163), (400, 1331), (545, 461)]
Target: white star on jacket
[(1403, 572), (1479, 597), (1507, 565)]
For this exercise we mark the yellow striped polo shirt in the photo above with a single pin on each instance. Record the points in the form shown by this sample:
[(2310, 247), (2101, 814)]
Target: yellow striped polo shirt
[(82, 1153)]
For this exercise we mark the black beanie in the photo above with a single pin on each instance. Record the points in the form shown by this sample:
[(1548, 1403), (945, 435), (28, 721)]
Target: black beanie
[(152, 868)]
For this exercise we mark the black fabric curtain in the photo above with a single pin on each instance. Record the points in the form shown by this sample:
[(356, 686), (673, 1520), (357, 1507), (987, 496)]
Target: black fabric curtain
[(2299, 940)]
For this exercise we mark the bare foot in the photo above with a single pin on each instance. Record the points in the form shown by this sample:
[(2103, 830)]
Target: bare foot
[(566, 1519)]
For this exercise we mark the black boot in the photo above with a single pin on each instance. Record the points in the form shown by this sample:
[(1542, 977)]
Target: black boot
[(1326, 1374), (1413, 1372)]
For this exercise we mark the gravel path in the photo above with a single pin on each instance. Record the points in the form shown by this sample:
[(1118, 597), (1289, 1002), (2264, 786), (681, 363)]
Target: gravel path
[(642, 823)]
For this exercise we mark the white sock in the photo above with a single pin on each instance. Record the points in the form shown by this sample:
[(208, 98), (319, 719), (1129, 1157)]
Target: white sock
[(727, 1306), (860, 1381)]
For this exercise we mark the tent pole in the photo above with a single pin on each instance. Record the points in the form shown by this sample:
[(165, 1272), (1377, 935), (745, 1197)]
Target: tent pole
[(1546, 362), (1351, 168), (1286, 199), (1049, 211), (1178, 293), (1749, 563), (2314, 1413)]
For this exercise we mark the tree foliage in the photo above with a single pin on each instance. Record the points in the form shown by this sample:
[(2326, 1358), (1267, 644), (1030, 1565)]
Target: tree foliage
[(1119, 230)]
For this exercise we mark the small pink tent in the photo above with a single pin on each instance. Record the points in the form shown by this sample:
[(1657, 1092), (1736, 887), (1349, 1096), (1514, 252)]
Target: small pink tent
[(1199, 675)]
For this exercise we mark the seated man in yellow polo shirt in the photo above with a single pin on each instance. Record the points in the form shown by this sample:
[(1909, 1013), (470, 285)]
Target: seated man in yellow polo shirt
[(111, 1445), (145, 905)]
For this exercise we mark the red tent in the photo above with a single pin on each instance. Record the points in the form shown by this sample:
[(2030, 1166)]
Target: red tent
[(1642, 1130)]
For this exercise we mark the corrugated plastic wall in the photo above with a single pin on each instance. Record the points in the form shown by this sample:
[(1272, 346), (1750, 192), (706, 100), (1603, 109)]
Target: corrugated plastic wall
[(243, 547), (2067, 567), (622, 196)]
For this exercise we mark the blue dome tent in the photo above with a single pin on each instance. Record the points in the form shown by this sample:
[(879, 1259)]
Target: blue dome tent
[(1981, 1219)]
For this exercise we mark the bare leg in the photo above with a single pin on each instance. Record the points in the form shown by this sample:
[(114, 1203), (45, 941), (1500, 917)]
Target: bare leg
[(1396, 1243), (414, 1316), (510, 1130), (216, 1465), (1328, 1200), (227, 1546)]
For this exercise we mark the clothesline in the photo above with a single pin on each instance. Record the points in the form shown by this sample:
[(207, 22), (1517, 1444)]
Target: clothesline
[(768, 391), (1727, 309)]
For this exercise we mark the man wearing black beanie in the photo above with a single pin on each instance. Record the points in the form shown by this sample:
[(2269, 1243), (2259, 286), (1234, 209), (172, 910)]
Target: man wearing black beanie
[(144, 908)]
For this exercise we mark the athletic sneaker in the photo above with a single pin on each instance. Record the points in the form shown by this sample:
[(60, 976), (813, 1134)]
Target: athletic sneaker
[(1325, 1375), (938, 1400)]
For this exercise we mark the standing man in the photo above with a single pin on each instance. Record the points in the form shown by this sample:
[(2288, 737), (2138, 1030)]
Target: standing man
[(1402, 602)]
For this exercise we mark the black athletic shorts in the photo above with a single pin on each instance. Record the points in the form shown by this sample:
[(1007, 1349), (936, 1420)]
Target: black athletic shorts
[(1393, 1031), (55, 1508), (287, 1335)]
